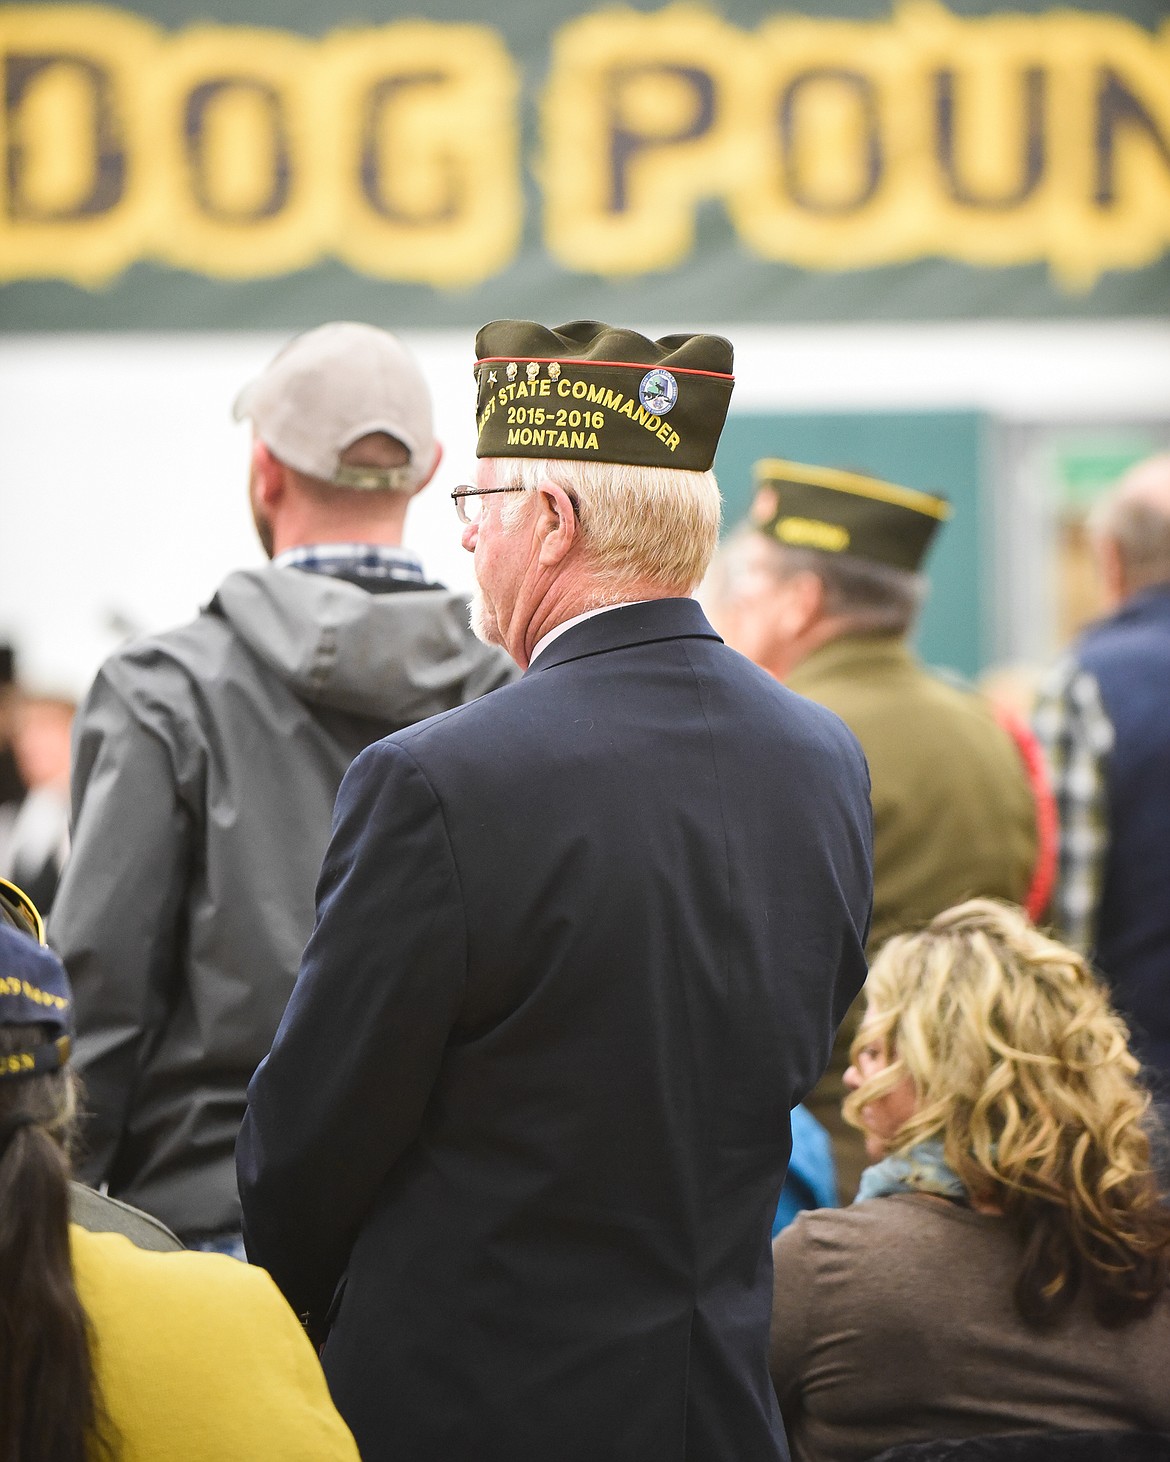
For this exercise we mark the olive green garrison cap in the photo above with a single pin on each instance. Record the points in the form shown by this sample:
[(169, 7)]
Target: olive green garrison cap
[(845, 512), (592, 393)]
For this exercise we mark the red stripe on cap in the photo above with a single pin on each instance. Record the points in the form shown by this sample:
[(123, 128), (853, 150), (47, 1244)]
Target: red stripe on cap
[(631, 365)]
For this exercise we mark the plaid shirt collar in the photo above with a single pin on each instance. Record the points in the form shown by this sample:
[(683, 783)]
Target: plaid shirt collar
[(355, 561)]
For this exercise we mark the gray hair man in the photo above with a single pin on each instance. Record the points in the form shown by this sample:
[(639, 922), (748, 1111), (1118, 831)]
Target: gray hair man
[(822, 589), (207, 760), (1104, 719)]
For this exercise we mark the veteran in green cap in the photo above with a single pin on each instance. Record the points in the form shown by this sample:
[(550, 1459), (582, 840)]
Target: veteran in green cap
[(580, 949), (822, 589)]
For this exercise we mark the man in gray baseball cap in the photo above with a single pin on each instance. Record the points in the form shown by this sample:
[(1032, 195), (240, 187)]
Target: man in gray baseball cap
[(342, 438), (329, 400), (206, 761)]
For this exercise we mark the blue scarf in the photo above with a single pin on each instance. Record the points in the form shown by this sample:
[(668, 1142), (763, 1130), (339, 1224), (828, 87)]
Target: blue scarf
[(923, 1169)]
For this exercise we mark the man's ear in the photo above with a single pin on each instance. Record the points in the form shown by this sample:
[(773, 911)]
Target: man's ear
[(433, 469), (803, 603), (1111, 567), (268, 473), (556, 523)]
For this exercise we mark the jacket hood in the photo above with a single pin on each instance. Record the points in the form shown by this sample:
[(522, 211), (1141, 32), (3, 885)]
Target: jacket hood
[(400, 656)]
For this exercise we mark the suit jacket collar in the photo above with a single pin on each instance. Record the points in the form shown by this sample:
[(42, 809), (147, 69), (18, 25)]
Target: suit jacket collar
[(1149, 604), (1146, 606), (632, 624)]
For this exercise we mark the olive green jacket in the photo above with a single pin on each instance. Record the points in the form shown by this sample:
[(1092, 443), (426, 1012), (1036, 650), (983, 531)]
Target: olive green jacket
[(953, 813)]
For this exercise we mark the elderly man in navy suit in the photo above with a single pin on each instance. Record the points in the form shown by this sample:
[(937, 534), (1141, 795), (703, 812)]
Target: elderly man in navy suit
[(580, 947)]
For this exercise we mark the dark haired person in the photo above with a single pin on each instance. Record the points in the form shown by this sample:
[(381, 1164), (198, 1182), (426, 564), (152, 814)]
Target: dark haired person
[(108, 1351), (11, 785), (35, 844), (1004, 1268)]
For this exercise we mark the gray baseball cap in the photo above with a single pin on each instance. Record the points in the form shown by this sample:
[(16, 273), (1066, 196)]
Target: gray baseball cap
[(332, 385)]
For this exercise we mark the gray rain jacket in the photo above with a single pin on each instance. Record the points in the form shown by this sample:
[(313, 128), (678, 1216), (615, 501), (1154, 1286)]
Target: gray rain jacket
[(206, 762)]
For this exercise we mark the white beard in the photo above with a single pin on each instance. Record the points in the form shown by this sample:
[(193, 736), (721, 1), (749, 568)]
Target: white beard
[(483, 621)]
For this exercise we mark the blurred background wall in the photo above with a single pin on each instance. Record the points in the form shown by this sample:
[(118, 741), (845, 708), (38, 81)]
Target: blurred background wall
[(937, 236)]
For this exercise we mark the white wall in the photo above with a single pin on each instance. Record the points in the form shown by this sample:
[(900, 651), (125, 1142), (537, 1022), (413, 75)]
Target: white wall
[(122, 474), (123, 482)]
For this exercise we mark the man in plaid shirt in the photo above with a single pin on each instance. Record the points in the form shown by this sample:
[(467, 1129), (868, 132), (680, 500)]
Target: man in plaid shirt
[(1104, 721), (1077, 736)]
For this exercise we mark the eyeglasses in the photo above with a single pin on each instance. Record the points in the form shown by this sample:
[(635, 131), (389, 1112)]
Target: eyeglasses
[(470, 508), (468, 501)]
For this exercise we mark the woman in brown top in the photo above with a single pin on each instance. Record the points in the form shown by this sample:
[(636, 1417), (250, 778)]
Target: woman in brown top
[(1004, 1268)]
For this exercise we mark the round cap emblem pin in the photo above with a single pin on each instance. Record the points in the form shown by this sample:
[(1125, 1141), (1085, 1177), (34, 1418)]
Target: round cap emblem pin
[(658, 392)]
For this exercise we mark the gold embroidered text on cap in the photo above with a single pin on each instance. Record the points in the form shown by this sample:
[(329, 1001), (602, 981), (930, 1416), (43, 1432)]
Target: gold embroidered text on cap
[(590, 392), (835, 511)]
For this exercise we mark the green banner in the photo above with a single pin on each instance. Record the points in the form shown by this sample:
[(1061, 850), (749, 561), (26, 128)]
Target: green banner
[(650, 164)]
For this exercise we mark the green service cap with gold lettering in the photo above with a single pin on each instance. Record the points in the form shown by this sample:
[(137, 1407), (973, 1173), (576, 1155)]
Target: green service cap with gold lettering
[(845, 512), (592, 393)]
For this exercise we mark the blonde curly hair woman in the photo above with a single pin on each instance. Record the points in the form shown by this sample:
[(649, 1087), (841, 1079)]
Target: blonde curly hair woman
[(1010, 1273)]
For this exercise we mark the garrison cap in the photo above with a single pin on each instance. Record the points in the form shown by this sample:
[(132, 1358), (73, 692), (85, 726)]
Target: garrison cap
[(845, 512), (34, 990), (592, 393)]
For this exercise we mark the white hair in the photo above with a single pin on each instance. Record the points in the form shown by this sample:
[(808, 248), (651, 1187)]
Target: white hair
[(875, 598), (638, 523)]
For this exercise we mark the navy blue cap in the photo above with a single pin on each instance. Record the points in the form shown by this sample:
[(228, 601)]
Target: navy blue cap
[(34, 990)]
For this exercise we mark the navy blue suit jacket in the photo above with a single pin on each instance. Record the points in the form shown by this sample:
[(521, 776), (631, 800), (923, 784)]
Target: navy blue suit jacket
[(580, 947)]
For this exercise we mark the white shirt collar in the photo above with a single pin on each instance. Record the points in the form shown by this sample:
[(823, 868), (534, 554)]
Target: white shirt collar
[(543, 643)]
